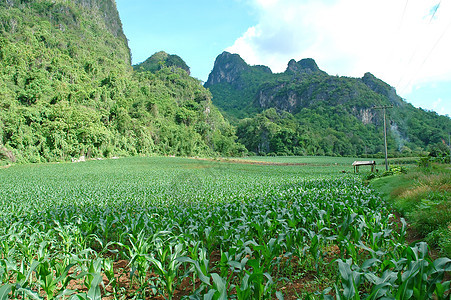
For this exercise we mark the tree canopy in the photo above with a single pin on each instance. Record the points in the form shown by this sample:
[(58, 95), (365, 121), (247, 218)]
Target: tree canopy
[(67, 89)]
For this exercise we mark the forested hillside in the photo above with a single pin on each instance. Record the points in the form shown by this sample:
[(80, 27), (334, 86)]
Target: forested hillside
[(67, 88), (305, 111), (161, 60)]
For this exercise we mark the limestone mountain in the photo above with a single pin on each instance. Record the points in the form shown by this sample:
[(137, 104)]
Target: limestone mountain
[(160, 60), (67, 88), (306, 111), (304, 66)]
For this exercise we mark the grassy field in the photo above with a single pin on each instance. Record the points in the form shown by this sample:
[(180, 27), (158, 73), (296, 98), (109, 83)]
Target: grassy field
[(173, 228)]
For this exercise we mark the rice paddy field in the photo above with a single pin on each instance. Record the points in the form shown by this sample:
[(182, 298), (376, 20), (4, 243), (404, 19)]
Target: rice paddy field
[(178, 228)]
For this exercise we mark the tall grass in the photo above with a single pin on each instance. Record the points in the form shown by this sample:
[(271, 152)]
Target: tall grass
[(426, 202)]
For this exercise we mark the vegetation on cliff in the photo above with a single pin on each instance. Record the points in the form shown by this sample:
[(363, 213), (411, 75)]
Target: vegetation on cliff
[(305, 111), (67, 89), (160, 60)]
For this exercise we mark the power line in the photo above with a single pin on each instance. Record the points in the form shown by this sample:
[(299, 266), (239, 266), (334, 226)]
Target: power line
[(403, 15), (393, 45), (384, 107), (435, 11), (414, 53), (428, 55)]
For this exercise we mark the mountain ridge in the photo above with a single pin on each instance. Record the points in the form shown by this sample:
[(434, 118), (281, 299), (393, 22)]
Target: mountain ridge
[(261, 100)]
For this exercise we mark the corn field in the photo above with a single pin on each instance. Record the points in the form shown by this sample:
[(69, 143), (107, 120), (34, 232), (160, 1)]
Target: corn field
[(173, 228)]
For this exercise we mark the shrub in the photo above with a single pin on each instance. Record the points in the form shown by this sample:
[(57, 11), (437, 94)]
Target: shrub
[(398, 170), (424, 161)]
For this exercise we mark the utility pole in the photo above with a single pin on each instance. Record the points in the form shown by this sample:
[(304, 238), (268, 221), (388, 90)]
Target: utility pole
[(384, 107)]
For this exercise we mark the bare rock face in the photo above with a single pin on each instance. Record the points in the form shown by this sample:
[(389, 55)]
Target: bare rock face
[(304, 66), (382, 88), (366, 115), (273, 97), (227, 68)]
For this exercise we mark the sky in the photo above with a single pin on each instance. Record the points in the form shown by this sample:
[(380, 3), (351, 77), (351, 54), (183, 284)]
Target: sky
[(406, 43)]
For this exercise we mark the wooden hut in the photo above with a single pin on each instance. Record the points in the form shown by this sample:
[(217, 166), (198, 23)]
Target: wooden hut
[(357, 164)]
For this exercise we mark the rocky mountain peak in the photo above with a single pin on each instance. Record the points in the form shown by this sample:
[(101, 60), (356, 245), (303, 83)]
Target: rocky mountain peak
[(304, 66), (380, 87), (227, 68)]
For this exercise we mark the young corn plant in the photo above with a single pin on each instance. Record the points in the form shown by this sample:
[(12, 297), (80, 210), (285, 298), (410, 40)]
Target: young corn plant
[(192, 251), (201, 267), (71, 238), (256, 282), (140, 246), (94, 292), (352, 277), (218, 288), (166, 264), (270, 253), (422, 278), (92, 268), (22, 286), (52, 277), (315, 248), (413, 276), (108, 270)]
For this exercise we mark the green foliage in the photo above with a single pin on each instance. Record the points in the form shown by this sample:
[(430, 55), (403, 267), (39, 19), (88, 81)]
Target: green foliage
[(67, 89), (424, 201), (334, 114), (440, 152), (424, 161), (160, 60), (393, 170), (415, 276), (284, 134), (226, 230)]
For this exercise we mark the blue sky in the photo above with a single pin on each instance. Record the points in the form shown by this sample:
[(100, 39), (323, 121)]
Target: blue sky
[(406, 43), (197, 31)]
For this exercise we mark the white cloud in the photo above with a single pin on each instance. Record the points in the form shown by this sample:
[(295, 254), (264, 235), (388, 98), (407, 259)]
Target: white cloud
[(439, 107), (266, 3), (436, 103), (403, 45)]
